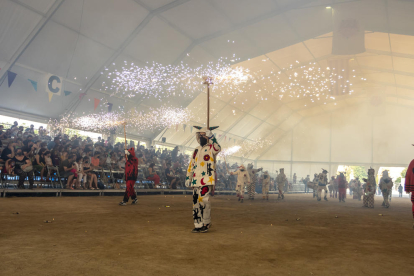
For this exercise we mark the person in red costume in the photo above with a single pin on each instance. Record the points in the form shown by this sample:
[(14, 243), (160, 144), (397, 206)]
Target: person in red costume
[(409, 183), (341, 187), (131, 174)]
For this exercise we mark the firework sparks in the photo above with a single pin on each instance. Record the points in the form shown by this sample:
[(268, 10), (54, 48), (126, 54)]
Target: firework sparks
[(154, 119)]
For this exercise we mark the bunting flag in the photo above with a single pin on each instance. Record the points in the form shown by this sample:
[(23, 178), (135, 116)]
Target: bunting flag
[(34, 84), (96, 103), (81, 95), (50, 96), (10, 77), (110, 106), (184, 126), (225, 138), (67, 93)]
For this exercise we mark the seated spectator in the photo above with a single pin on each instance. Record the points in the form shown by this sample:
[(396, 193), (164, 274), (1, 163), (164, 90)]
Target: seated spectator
[(2, 133), (79, 173), (153, 176), (92, 176), (172, 179), (23, 167), (49, 164), (65, 169), (95, 160), (39, 164)]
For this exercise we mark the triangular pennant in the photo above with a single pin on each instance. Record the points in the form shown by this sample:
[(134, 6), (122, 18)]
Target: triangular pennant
[(96, 103), (67, 93), (110, 106), (34, 84), (184, 126), (225, 138), (10, 77), (50, 96), (81, 95)]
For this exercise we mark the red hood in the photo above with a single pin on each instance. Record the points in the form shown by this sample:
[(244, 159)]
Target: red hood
[(132, 152)]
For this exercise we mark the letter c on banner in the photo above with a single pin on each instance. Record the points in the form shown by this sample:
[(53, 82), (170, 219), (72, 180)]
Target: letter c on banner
[(50, 84)]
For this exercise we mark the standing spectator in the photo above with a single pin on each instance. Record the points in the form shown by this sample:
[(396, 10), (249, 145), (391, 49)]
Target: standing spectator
[(23, 167), (400, 190), (8, 152), (42, 131), (30, 130), (174, 154), (53, 144)]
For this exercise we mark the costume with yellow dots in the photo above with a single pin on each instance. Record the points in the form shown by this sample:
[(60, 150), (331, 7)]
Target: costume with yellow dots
[(201, 177)]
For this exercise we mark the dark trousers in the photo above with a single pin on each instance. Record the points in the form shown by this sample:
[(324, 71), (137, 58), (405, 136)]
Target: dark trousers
[(22, 176), (412, 200)]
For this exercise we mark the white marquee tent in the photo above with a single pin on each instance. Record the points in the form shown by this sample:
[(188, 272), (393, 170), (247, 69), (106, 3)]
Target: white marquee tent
[(77, 39)]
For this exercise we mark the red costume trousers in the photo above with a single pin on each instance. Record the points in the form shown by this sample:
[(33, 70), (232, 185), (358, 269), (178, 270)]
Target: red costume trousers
[(129, 192), (342, 193)]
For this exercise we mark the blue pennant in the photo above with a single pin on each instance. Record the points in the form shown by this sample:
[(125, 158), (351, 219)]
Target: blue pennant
[(34, 84), (10, 77)]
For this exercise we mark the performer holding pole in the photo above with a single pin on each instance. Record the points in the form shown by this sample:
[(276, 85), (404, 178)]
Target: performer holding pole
[(131, 174), (201, 171)]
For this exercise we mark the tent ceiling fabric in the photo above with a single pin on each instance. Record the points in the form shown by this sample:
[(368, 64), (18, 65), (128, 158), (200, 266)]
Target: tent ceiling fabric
[(80, 38)]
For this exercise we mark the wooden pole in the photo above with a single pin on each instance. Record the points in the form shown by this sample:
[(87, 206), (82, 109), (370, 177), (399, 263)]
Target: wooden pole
[(207, 81), (125, 139), (208, 105)]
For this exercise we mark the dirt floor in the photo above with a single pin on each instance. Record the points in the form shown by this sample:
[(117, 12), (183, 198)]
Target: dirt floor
[(95, 236)]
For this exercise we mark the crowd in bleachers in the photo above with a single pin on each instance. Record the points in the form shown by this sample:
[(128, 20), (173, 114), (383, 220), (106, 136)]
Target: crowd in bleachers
[(80, 163)]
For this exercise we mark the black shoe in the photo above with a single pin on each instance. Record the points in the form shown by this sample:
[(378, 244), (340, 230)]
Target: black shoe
[(196, 230), (241, 200), (122, 203), (135, 201), (325, 198), (319, 199), (283, 196), (203, 229)]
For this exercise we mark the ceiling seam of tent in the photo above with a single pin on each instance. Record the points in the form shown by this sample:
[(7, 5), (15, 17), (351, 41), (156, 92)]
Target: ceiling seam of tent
[(29, 39), (389, 37), (241, 25), (262, 121), (126, 42), (245, 113), (77, 40)]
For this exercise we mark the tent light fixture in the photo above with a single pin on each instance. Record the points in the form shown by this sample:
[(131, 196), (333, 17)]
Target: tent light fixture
[(328, 7)]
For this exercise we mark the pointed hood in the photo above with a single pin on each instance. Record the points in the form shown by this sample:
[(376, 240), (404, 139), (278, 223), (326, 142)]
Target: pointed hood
[(132, 152)]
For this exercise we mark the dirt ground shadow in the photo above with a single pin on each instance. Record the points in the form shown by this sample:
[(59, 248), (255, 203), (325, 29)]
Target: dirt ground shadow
[(296, 236)]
